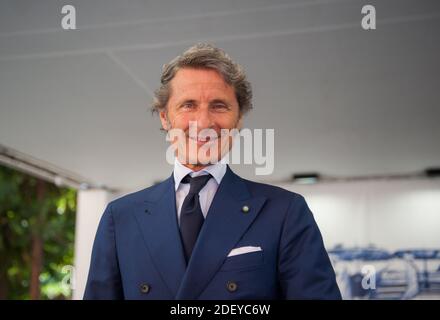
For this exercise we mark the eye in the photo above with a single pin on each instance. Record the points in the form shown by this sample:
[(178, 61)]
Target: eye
[(219, 106), (187, 105)]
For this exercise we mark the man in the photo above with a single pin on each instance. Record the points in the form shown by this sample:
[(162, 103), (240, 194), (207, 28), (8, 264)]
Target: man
[(206, 233)]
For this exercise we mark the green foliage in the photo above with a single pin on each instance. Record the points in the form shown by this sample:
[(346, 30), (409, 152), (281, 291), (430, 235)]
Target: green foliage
[(24, 215)]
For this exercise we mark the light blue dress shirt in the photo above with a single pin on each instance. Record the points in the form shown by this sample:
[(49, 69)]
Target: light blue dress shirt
[(206, 195)]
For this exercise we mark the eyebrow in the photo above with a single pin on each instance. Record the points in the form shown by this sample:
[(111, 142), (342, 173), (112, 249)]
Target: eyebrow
[(218, 101), (187, 101), (193, 101)]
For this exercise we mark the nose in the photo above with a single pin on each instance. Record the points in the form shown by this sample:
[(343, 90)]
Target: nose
[(203, 118)]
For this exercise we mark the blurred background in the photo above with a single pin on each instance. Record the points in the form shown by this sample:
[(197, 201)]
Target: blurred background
[(355, 112)]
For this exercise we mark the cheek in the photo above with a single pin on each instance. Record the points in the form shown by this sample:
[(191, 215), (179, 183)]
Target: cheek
[(227, 122), (180, 121)]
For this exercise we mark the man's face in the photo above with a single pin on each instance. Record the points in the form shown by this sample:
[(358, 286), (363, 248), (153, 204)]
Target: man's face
[(201, 97)]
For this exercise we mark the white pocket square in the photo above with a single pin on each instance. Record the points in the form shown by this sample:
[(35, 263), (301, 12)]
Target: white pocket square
[(243, 250)]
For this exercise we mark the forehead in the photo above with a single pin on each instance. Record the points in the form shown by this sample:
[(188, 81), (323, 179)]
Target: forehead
[(195, 80)]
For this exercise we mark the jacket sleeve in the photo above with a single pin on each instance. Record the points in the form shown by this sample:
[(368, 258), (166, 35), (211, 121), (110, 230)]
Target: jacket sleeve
[(305, 271), (104, 279)]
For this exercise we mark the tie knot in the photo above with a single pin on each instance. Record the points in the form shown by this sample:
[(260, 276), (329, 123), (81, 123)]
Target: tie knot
[(196, 183)]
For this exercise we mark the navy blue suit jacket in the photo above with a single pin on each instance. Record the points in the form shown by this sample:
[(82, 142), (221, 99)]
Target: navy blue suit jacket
[(138, 252)]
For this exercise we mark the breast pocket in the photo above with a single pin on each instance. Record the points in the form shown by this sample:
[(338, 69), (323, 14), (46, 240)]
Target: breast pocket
[(244, 261)]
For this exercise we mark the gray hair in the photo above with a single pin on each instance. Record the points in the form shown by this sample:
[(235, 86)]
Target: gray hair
[(205, 56)]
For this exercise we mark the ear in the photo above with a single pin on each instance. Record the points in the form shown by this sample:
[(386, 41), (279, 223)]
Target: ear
[(240, 122), (164, 119)]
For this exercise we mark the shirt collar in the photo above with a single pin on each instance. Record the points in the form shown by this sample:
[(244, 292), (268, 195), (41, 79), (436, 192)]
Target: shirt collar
[(216, 170)]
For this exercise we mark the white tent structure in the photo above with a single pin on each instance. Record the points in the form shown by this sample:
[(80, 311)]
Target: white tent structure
[(74, 104)]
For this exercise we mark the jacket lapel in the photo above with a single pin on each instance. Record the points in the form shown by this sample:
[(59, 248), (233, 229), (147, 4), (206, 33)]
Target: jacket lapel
[(158, 222), (224, 226)]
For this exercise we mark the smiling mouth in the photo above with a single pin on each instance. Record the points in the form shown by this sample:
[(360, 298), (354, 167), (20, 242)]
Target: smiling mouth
[(202, 140)]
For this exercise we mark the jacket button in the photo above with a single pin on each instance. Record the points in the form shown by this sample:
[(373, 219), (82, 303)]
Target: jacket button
[(145, 288), (231, 286)]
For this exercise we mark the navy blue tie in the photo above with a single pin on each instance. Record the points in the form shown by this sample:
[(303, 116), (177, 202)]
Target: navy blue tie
[(191, 216)]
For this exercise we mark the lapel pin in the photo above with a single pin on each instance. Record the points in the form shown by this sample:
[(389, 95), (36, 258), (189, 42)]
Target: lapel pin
[(245, 209)]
